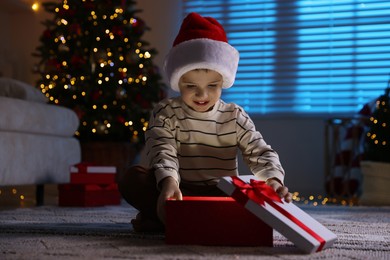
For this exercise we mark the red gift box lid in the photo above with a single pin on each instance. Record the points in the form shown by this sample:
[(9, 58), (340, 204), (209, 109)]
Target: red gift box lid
[(255, 196), (87, 173)]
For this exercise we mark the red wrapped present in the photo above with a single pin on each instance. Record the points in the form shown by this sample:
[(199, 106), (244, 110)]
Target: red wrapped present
[(289, 220), (88, 195), (217, 221), (85, 173)]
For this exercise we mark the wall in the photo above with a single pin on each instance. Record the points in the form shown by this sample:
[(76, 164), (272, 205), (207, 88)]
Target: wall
[(20, 29), (300, 145), (4, 43), (163, 17), (299, 141)]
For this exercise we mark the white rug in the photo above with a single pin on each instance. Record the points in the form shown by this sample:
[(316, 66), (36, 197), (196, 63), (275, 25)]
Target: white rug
[(52, 232)]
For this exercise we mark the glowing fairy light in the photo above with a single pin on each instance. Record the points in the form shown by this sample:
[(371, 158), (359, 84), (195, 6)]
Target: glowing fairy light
[(147, 55), (35, 6), (133, 21)]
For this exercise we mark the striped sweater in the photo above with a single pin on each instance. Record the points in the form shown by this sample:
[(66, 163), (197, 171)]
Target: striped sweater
[(199, 148)]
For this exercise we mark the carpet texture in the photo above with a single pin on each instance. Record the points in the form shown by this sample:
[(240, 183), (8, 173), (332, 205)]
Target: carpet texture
[(51, 232)]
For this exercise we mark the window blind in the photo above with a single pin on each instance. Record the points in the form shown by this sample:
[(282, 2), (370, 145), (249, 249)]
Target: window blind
[(304, 57)]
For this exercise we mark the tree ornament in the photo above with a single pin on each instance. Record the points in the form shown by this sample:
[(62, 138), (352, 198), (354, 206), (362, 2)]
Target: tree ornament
[(89, 5), (77, 61), (117, 31), (75, 28), (79, 112), (96, 95), (120, 93), (47, 34), (139, 26), (52, 65), (121, 119)]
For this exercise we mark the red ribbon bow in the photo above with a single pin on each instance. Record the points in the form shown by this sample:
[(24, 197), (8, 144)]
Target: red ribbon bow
[(260, 192)]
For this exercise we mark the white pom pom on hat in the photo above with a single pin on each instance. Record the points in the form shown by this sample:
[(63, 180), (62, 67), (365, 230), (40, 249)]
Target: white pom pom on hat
[(201, 44)]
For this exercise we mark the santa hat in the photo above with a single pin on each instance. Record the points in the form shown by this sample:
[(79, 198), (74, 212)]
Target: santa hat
[(201, 44)]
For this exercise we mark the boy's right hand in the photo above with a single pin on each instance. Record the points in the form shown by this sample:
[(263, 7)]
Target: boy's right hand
[(169, 190)]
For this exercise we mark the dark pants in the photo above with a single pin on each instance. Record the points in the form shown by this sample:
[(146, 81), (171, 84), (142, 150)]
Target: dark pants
[(138, 187)]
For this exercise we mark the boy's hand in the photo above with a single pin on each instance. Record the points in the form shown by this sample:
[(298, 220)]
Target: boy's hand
[(281, 190), (169, 190)]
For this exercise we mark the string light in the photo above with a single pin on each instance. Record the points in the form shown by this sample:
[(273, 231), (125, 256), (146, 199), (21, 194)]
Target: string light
[(12, 195), (35, 6), (133, 20), (321, 200)]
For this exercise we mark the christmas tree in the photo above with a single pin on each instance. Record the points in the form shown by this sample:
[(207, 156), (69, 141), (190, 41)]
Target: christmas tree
[(93, 60), (377, 145)]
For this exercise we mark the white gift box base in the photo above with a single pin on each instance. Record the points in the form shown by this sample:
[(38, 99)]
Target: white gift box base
[(299, 229)]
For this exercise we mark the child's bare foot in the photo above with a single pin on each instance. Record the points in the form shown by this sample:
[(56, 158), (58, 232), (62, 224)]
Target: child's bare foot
[(141, 224)]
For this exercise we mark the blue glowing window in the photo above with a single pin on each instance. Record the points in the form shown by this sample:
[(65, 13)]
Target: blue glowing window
[(304, 57)]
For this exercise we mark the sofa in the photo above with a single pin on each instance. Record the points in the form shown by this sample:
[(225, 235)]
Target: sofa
[(37, 143)]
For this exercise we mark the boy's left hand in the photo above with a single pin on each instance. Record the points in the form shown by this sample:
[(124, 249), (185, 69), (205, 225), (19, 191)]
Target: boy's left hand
[(281, 190)]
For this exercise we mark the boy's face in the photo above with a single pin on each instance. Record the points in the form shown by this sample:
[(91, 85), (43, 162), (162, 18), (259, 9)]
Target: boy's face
[(201, 89)]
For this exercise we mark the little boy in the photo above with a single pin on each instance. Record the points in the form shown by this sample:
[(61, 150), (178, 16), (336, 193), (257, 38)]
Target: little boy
[(192, 140)]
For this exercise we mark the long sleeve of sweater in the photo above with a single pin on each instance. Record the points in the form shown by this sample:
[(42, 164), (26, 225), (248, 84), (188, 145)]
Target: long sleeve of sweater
[(161, 144), (262, 160)]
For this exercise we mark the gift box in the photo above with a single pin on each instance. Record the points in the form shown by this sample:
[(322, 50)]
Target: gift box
[(88, 195), (214, 221), (305, 232), (85, 173)]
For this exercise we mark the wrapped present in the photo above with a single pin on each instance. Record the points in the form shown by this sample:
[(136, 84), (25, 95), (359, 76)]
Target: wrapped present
[(85, 173), (215, 221), (88, 195), (257, 197)]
